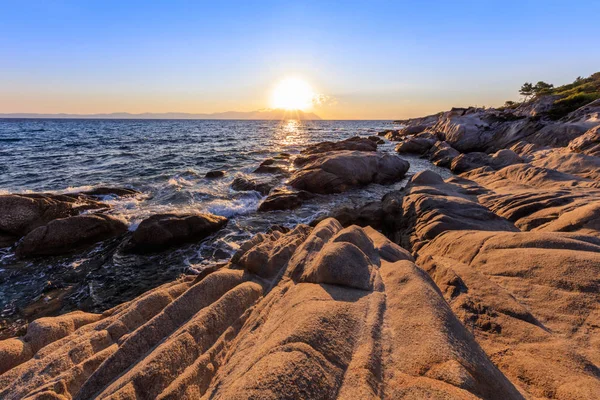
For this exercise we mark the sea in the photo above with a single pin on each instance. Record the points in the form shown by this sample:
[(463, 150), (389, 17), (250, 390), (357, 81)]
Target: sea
[(167, 161)]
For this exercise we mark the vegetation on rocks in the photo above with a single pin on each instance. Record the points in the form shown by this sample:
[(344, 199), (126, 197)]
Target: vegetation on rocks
[(569, 97)]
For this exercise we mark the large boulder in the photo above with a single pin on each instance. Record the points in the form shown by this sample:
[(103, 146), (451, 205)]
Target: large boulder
[(22, 213), (442, 154), (164, 230), (65, 235), (416, 144), (339, 171)]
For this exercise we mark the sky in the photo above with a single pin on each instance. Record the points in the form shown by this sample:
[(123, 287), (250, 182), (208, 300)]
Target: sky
[(367, 59)]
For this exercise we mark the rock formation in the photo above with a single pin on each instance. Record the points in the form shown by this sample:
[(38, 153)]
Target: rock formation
[(326, 313), (163, 230), (338, 171), (65, 235)]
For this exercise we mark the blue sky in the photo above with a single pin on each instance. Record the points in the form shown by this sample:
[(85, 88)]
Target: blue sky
[(374, 59)]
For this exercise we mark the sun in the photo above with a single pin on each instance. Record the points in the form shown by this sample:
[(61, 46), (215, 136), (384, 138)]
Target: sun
[(292, 94)]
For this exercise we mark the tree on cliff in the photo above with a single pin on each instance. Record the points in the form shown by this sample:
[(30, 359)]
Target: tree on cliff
[(542, 88), (526, 90)]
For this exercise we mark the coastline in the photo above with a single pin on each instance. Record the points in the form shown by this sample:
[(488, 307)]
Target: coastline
[(482, 284)]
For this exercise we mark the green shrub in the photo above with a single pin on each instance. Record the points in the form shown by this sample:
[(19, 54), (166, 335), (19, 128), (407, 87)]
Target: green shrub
[(570, 103)]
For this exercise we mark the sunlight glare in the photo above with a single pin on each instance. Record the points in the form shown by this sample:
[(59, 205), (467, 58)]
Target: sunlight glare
[(292, 94)]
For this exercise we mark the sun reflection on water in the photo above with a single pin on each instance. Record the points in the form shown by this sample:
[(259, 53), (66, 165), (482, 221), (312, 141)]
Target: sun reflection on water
[(293, 133)]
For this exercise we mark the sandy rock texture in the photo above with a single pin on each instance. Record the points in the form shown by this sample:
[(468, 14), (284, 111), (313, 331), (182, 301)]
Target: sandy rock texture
[(324, 312), (530, 295)]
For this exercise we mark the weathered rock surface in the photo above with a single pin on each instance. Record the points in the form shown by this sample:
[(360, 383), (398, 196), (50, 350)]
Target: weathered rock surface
[(327, 313), (339, 171), (416, 144), (432, 206), (531, 297), (65, 235), (588, 143), (500, 159), (442, 154), (164, 230)]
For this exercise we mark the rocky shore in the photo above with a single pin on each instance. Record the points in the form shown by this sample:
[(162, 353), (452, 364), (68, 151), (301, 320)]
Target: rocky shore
[(483, 285)]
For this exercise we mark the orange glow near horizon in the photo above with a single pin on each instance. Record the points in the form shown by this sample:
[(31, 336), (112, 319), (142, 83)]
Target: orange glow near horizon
[(292, 94)]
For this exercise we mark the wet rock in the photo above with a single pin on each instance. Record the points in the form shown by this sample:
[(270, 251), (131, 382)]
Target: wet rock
[(65, 235), (22, 213), (376, 139), (116, 191), (284, 200), (165, 230), (339, 171), (242, 184), (214, 174)]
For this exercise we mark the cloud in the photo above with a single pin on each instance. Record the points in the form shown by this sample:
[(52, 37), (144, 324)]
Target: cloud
[(321, 99)]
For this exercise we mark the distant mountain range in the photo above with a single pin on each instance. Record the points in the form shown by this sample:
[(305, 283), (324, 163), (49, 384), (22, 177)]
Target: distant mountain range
[(268, 114)]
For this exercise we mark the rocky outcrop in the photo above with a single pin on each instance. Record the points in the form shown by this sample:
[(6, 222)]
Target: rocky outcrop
[(22, 213), (325, 313), (498, 160), (416, 144), (529, 295), (489, 130), (339, 171), (282, 199), (588, 143), (65, 235), (164, 230), (432, 206), (442, 154)]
